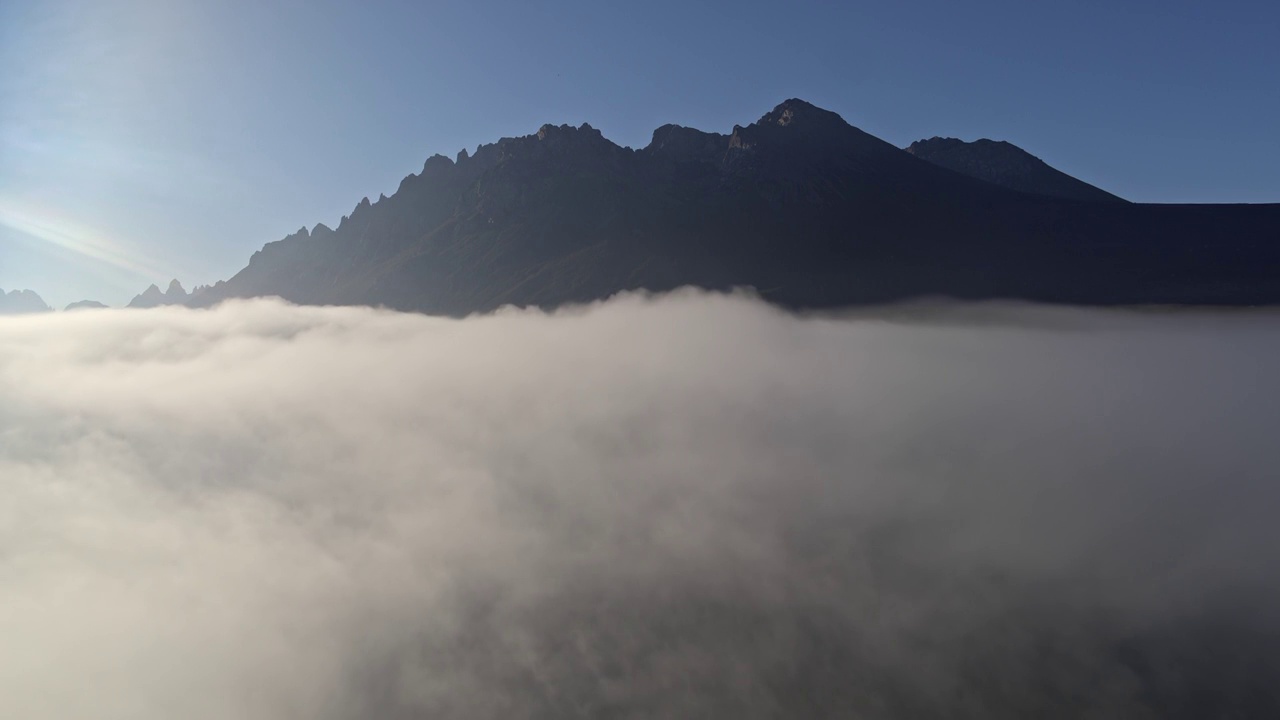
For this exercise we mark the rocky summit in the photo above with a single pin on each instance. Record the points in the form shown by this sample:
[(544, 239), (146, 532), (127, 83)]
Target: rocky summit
[(153, 297)]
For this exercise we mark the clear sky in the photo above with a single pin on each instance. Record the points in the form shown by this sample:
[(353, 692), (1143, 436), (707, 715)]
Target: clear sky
[(148, 139)]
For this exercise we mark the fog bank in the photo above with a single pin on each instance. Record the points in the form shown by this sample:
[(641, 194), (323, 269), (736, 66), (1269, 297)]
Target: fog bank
[(688, 505)]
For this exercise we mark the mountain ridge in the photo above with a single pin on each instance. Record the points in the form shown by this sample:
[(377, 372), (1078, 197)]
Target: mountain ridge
[(1007, 165), (154, 297), (85, 305), (21, 302), (800, 204)]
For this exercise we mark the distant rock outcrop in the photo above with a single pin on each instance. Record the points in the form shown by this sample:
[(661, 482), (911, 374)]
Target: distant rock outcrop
[(153, 297), (687, 144), (21, 302), (86, 305), (1006, 165)]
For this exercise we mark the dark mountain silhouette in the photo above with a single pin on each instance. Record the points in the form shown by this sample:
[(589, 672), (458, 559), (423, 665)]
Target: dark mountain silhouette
[(1006, 165), (800, 205), (86, 305), (152, 297), (19, 302)]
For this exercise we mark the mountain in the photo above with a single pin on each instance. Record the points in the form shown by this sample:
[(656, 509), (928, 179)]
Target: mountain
[(19, 302), (86, 305), (1008, 166), (152, 297), (804, 207)]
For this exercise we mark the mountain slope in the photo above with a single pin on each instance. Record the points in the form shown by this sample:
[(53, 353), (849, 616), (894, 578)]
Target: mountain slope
[(153, 297), (1006, 165), (85, 305), (804, 207), (19, 302)]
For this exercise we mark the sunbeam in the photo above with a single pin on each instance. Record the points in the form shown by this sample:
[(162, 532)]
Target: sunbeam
[(49, 227)]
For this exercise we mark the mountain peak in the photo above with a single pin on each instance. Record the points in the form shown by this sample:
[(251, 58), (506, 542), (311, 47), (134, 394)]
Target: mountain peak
[(683, 143), (569, 132), (799, 129), (800, 114), (153, 297), (17, 302), (85, 305), (1007, 165), (437, 165)]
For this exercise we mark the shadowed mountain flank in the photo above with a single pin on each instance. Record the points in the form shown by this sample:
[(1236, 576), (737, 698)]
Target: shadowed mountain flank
[(802, 206), (1006, 165)]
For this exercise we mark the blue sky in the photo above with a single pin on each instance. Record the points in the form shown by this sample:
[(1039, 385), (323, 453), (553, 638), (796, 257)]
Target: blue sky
[(146, 140)]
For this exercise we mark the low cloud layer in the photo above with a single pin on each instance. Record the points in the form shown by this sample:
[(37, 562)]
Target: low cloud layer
[(683, 506)]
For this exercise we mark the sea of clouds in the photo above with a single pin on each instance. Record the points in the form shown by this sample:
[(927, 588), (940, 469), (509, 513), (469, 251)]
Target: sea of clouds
[(687, 505)]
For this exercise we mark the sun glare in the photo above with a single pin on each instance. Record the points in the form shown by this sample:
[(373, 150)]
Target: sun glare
[(46, 226)]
